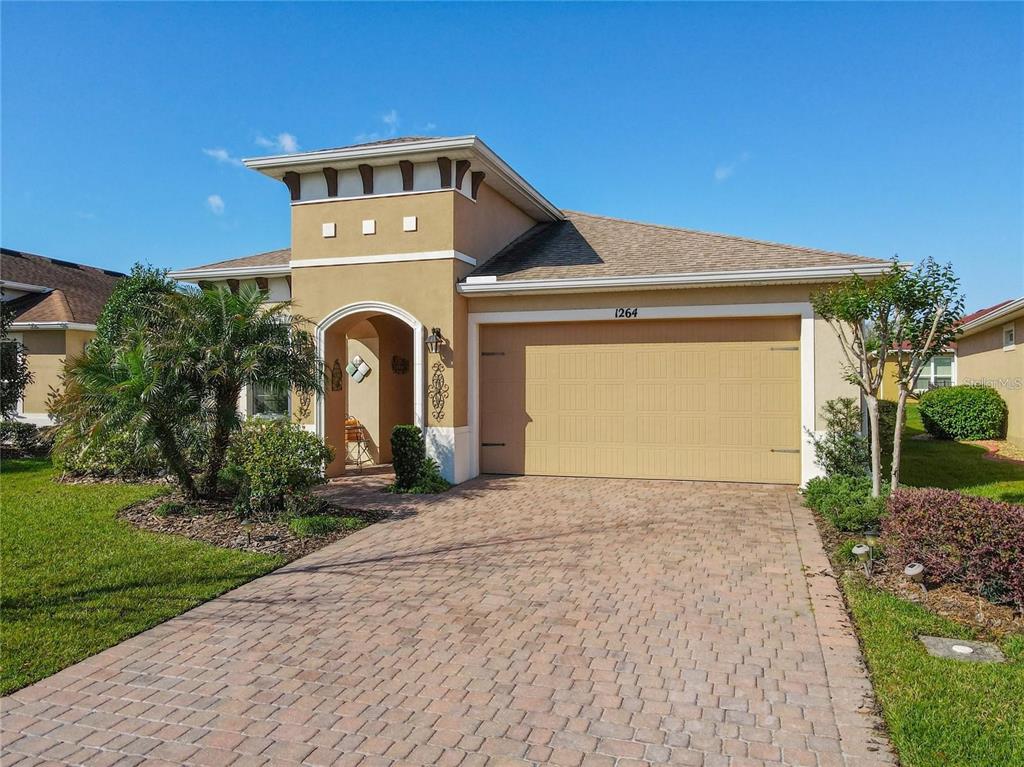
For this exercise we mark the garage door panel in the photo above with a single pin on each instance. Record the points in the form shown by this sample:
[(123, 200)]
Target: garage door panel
[(683, 399)]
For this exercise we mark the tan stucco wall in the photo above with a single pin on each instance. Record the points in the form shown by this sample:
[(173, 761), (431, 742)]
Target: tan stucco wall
[(828, 356), (485, 226), (434, 212), (982, 360), (46, 352), (363, 400)]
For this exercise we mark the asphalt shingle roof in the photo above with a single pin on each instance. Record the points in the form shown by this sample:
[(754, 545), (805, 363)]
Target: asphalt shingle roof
[(77, 292), (279, 257), (586, 245)]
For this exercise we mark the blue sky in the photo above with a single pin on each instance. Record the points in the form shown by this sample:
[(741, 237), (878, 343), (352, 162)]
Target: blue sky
[(883, 130)]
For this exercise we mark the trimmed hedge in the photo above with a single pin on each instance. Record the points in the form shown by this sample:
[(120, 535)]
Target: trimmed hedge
[(408, 452), (846, 502), (964, 539), (964, 412)]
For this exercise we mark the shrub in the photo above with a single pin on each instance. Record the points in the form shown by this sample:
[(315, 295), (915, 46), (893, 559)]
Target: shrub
[(119, 454), (973, 541), (277, 461), (846, 502), (964, 412), (21, 438), (842, 450), (407, 454), (323, 524)]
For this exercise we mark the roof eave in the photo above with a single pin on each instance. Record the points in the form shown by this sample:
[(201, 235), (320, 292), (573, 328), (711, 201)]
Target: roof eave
[(53, 325), (229, 272), (482, 287), (459, 146), (992, 318)]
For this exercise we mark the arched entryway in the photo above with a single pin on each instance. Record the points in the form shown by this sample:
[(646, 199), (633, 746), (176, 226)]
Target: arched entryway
[(373, 359)]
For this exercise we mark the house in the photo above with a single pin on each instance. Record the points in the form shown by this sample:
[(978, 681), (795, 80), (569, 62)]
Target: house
[(987, 353), (56, 305), (448, 292)]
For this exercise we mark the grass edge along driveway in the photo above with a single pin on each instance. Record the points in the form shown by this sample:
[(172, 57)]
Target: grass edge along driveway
[(940, 712), (74, 580)]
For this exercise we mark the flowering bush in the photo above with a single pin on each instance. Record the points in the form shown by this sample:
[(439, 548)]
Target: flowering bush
[(964, 412), (976, 542), (278, 464)]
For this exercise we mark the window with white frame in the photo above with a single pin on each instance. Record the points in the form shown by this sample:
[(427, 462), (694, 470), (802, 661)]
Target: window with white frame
[(936, 374), (268, 400), (1009, 337)]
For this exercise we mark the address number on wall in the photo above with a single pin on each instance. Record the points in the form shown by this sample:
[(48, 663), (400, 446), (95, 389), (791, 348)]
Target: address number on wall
[(626, 313)]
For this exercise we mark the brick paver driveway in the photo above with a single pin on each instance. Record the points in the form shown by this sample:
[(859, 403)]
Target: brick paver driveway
[(513, 620)]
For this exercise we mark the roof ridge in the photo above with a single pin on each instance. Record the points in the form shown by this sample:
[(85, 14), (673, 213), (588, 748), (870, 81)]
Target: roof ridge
[(731, 237)]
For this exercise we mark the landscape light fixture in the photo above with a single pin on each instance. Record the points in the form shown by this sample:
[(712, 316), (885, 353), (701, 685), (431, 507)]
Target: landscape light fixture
[(915, 573), (434, 340), (863, 552)]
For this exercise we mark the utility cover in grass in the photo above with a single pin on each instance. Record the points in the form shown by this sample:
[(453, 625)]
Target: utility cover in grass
[(961, 649)]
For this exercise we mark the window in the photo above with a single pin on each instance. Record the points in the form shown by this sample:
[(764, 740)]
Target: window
[(1009, 337), (269, 401), (936, 374)]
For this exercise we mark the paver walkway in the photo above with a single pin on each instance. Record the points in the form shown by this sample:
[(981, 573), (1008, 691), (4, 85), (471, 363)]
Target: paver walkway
[(511, 621)]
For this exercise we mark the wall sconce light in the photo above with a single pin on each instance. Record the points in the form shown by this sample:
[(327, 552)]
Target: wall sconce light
[(435, 340)]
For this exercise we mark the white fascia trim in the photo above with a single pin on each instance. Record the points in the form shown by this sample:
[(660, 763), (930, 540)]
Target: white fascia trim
[(53, 326), (803, 310), (193, 275), (385, 258), (993, 317), (801, 274), (24, 286), (469, 143)]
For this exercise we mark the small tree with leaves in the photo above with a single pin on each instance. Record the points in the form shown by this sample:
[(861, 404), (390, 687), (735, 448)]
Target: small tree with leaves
[(14, 372), (927, 307), (862, 313)]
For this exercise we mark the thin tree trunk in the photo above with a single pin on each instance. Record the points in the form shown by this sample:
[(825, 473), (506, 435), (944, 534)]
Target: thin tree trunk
[(219, 442), (876, 449), (176, 461), (897, 440)]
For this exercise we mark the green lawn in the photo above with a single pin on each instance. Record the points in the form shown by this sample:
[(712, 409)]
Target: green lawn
[(74, 580), (956, 466), (940, 712)]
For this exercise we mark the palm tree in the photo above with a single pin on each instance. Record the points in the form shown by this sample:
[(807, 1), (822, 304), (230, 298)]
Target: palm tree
[(228, 340), (130, 387)]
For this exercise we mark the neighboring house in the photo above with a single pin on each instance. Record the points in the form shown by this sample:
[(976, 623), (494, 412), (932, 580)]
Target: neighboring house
[(989, 353), (524, 338), (939, 371), (56, 305)]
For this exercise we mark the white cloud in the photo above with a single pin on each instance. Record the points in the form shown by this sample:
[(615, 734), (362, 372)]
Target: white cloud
[(86, 215), (222, 155), (216, 204), (429, 126), (726, 170), (391, 122), (283, 142)]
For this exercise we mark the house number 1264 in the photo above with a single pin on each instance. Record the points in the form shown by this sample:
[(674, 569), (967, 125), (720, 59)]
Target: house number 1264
[(625, 314)]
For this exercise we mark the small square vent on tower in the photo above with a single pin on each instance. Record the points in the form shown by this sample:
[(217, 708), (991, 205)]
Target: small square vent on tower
[(369, 226), (409, 224)]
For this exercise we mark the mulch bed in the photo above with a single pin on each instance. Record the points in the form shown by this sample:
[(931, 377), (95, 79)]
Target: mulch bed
[(217, 523), (948, 600)]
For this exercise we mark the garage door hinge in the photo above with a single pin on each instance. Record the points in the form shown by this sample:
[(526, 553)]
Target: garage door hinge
[(785, 450), (492, 354), (785, 348), (492, 444)]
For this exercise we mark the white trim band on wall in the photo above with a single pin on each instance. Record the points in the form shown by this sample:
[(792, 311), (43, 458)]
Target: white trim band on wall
[(53, 326), (803, 310), (385, 258)]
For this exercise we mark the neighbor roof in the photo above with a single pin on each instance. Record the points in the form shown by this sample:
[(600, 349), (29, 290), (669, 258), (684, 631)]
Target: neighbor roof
[(591, 246), (279, 257), (75, 292), (977, 315)]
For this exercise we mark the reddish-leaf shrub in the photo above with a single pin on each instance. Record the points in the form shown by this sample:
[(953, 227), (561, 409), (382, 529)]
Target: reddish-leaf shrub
[(976, 542)]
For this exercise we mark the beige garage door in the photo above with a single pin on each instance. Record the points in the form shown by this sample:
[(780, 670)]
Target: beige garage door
[(673, 399)]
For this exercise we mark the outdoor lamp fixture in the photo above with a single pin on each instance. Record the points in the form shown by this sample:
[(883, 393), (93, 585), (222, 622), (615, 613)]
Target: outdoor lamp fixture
[(863, 552), (435, 340), (871, 536), (914, 572)]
